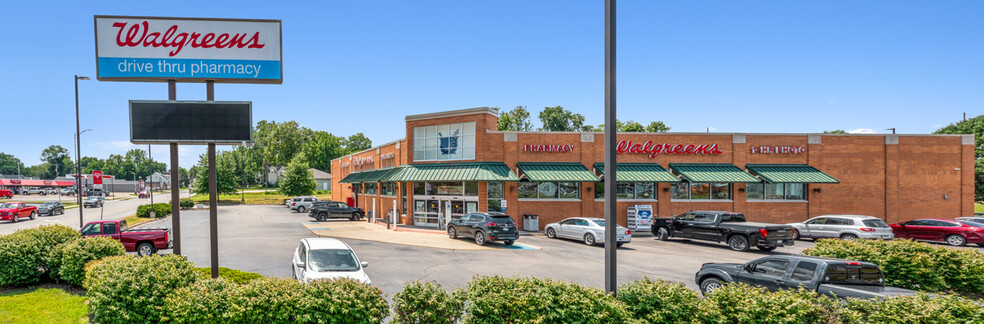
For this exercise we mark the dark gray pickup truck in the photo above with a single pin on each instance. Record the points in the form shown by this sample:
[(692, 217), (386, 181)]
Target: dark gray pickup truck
[(831, 277), (722, 226)]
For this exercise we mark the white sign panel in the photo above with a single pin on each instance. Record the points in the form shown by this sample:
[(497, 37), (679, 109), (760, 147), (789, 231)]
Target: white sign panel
[(188, 49)]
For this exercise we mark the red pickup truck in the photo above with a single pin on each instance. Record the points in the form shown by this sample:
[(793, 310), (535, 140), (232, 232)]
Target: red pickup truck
[(14, 211), (144, 241)]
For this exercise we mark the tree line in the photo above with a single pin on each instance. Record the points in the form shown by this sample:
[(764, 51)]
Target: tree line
[(56, 161), (558, 119)]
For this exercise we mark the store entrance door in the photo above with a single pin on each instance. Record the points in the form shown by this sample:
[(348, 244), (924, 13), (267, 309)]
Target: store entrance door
[(437, 211)]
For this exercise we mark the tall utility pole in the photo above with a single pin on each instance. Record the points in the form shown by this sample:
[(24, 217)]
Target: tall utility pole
[(611, 284), (78, 148)]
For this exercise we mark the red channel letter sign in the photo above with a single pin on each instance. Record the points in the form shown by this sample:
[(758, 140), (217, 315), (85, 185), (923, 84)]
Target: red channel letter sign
[(655, 149), (97, 177)]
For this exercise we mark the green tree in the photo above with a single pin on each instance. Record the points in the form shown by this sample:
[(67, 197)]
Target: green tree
[(657, 127), (284, 141), (356, 143), (973, 126), (558, 119), (9, 164), (58, 161), (183, 179), (836, 131), (224, 171), (298, 179), (323, 148), (89, 164), (630, 126), (517, 119)]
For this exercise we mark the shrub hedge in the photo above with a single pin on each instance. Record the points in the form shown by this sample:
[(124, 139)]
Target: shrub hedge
[(741, 303), (76, 254), (427, 302), (913, 265), (29, 256), (160, 209), (522, 300), (912, 310), (130, 289), (186, 203), (230, 275), (660, 301)]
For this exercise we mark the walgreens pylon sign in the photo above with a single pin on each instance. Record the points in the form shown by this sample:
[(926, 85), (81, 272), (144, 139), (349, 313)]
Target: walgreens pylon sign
[(188, 49)]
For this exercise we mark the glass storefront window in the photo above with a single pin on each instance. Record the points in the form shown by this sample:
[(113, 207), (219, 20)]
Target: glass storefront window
[(495, 190), (569, 190), (447, 188), (527, 189), (774, 191), (420, 206), (624, 190), (700, 190), (418, 188), (547, 189), (444, 142), (471, 188), (645, 190), (495, 205), (794, 191), (388, 189), (599, 190), (680, 190), (357, 188), (754, 191), (433, 206), (371, 188), (720, 191)]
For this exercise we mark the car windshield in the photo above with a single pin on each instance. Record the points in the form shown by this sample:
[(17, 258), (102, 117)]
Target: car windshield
[(974, 224), (502, 220), (333, 260), (91, 198), (8, 206), (877, 223), (50, 203)]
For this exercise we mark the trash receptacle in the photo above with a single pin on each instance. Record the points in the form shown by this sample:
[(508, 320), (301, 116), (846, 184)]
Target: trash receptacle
[(531, 222)]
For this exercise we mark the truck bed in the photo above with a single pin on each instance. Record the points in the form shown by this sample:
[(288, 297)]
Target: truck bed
[(862, 291)]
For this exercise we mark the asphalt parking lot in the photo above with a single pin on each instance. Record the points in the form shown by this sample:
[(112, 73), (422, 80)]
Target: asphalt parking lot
[(262, 239)]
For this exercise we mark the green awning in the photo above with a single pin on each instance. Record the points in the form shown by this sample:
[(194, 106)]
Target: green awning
[(473, 171), (790, 173), (556, 171), (378, 175), (712, 172), (354, 177), (639, 172)]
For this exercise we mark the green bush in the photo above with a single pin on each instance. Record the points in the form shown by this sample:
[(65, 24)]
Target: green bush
[(75, 255), (427, 302), (130, 289), (660, 301), (160, 209), (186, 203), (918, 309), (205, 301), (230, 275), (521, 300), (30, 255), (913, 265), (341, 301), (741, 303)]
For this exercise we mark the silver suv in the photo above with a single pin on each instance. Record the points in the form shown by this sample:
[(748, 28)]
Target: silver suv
[(302, 204), (847, 227)]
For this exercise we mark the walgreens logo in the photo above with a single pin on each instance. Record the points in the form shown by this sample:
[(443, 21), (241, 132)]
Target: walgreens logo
[(655, 149), (144, 35)]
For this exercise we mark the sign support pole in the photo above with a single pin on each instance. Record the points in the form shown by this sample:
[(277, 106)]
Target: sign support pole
[(611, 282), (213, 195), (172, 95)]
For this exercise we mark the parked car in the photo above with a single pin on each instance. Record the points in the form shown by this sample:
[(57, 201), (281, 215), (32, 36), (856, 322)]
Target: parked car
[(93, 201), (952, 232), (831, 277), (51, 208), (144, 241), (36, 191), (722, 226), (6, 194), (323, 210), (327, 258), (978, 219), (143, 194), (14, 211), (301, 204), (485, 227), (96, 192), (847, 227), (67, 192), (591, 231)]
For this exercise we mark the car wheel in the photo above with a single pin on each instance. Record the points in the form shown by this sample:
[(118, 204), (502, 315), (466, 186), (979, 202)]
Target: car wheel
[(51, 213), (551, 233), (956, 240), (357, 215), (322, 217), (589, 239), (738, 243), (767, 248), (663, 234), (709, 285), (34, 215), (145, 249), (16, 218), (796, 234), (452, 232), (509, 242), (300, 209), (848, 237), (480, 238)]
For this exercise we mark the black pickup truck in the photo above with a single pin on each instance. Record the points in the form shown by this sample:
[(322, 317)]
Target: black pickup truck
[(831, 277), (720, 226)]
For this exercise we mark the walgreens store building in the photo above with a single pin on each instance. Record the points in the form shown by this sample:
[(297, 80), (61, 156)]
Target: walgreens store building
[(455, 162)]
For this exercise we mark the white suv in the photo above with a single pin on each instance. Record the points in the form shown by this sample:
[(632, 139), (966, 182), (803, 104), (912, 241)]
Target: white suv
[(303, 203)]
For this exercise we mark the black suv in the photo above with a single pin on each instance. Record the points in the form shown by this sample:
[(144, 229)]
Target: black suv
[(485, 227), (323, 210)]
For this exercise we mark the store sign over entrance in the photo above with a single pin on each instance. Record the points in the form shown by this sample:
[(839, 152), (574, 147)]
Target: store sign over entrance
[(778, 149), (655, 149), (188, 49), (548, 148)]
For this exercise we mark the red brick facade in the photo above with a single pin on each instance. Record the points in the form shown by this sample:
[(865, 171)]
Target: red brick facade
[(894, 177)]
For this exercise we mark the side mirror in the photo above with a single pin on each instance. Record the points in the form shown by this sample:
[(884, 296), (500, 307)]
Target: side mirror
[(365, 264), (300, 264)]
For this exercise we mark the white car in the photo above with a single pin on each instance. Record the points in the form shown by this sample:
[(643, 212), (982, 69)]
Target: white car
[(327, 258), (846, 227), (591, 231)]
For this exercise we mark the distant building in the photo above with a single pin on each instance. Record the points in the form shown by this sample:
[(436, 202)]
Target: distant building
[(323, 179)]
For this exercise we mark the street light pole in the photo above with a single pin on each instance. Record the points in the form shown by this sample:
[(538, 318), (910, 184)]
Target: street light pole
[(78, 148)]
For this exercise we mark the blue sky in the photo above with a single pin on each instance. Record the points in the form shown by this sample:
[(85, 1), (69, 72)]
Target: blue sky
[(360, 66)]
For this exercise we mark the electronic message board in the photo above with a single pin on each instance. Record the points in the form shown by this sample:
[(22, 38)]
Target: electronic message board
[(191, 122)]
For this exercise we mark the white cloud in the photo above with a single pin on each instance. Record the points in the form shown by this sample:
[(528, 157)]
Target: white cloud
[(861, 131)]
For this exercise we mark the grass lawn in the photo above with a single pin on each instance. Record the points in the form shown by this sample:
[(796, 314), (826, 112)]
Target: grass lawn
[(979, 208), (133, 220), (46, 305), (252, 198)]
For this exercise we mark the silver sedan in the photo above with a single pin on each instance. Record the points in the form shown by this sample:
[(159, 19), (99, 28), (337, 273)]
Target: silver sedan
[(591, 231)]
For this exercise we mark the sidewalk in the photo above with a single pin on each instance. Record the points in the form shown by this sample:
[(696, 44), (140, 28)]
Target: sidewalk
[(405, 235)]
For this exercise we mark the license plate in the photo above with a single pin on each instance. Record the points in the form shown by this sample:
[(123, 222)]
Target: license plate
[(886, 236), (779, 241)]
